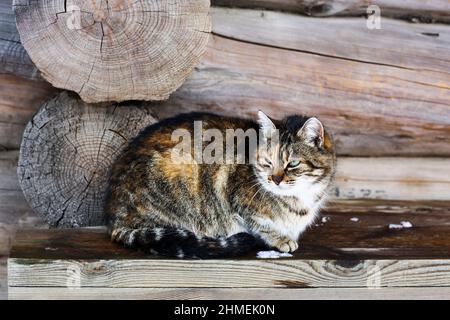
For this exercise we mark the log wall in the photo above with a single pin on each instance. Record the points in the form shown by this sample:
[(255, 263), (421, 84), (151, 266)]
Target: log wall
[(385, 97), (383, 93)]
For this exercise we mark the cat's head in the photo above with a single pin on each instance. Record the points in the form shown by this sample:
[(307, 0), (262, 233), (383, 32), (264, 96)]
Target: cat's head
[(296, 154)]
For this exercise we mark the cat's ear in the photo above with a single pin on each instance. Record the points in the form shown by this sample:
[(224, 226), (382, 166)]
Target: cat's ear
[(313, 132), (266, 125)]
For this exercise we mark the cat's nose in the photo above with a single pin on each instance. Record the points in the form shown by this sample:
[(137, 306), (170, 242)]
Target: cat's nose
[(277, 179)]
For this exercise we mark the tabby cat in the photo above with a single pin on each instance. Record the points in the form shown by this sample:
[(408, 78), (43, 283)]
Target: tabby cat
[(197, 210)]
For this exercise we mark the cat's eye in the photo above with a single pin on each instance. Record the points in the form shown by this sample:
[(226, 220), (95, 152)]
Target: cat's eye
[(267, 163), (294, 164)]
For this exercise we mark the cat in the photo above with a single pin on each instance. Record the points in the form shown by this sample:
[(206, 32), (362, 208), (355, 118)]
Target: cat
[(219, 210)]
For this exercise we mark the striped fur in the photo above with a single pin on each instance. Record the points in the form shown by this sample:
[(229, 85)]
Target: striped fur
[(219, 210), (182, 243)]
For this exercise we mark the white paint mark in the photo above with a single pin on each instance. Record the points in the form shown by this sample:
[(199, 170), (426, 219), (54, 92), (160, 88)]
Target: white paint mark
[(354, 219)]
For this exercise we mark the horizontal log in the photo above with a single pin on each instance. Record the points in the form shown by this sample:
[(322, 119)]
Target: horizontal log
[(348, 256), (34, 293), (388, 96), (393, 178), (14, 209), (20, 98), (413, 10), (13, 57), (408, 179), (13, 206)]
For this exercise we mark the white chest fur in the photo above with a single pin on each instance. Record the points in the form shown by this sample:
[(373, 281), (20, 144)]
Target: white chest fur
[(292, 225)]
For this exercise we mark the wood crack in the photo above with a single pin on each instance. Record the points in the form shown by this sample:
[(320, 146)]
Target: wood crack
[(315, 53)]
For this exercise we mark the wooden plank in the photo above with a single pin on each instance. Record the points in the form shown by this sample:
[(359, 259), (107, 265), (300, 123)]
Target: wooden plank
[(381, 213), (156, 273), (372, 239), (414, 10), (33, 293), (348, 255), (19, 100)]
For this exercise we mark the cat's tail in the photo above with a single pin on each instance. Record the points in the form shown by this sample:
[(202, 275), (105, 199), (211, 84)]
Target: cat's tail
[(180, 243)]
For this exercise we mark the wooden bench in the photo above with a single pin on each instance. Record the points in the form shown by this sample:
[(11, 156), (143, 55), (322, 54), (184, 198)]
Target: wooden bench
[(340, 258)]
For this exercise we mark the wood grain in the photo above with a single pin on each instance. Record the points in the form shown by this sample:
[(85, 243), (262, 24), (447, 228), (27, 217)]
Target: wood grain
[(428, 238), (378, 213), (20, 98), (392, 178), (66, 185), (377, 97), (115, 51), (33, 293), (329, 256), (228, 273), (67, 151), (385, 97), (413, 10), (14, 210), (13, 57), (3, 278)]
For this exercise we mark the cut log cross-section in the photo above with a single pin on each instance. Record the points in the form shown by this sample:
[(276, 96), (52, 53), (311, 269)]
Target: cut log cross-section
[(115, 50), (66, 153)]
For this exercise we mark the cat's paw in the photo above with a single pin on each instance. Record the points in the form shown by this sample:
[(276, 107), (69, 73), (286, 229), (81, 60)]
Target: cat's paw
[(287, 245)]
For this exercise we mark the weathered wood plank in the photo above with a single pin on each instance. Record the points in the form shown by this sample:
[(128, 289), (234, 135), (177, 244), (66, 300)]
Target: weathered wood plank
[(227, 273), (148, 273), (33, 293), (428, 11), (344, 255), (370, 239), (380, 213)]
